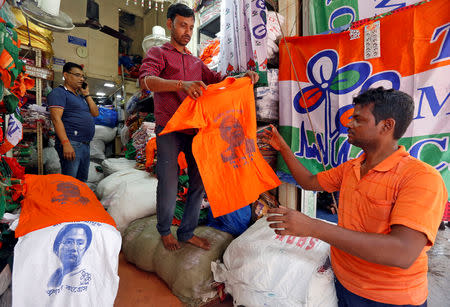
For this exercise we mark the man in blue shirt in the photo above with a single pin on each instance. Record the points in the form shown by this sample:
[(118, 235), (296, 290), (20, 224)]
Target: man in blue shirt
[(72, 110)]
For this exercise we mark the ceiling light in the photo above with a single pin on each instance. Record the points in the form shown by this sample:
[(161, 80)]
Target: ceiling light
[(109, 84), (100, 94)]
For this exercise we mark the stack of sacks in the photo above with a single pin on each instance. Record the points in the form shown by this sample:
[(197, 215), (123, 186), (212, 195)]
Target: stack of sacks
[(267, 98), (102, 136), (140, 139), (128, 195), (273, 33)]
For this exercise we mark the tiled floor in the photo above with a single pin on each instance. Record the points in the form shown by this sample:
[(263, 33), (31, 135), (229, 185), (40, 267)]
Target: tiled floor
[(138, 288)]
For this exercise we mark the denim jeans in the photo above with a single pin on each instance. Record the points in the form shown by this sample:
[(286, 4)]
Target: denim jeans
[(169, 147), (78, 168), (348, 299)]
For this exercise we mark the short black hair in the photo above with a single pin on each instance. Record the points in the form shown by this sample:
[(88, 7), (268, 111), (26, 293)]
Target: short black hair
[(179, 9), (66, 229), (69, 65), (389, 104)]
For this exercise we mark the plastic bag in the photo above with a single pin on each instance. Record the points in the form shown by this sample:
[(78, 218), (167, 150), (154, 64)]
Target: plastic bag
[(107, 117), (51, 161), (105, 134), (97, 149), (235, 223)]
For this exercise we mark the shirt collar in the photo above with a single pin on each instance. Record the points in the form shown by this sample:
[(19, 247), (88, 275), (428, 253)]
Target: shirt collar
[(169, 46), (69, 90), (387, 163)]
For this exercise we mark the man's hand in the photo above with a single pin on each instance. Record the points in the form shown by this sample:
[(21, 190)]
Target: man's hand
[(252, 75), (85, 91), (194, 88), (273, 138), (68, 152), (294, 222)]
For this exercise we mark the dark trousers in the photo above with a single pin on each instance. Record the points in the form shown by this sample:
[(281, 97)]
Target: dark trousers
[(348, 299), (168, 149)]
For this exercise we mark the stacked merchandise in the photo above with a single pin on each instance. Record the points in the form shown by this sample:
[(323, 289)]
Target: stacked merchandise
[(139, 141), (210, 52), (208, 10), (273, 34), (267, 98), (11, 194), (13, 86)]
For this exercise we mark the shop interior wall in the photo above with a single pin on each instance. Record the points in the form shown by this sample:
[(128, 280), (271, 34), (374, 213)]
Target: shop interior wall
[(101, 61)]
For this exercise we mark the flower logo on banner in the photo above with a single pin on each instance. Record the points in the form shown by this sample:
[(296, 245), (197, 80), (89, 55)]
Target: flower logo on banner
[(326, 79)]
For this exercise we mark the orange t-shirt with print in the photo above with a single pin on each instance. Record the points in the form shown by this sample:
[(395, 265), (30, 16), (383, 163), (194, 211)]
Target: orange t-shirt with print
[(54, 199), (400, 190), (233, 171)]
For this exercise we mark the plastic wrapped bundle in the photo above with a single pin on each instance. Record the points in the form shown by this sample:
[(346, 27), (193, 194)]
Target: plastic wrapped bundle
[(267, 98)]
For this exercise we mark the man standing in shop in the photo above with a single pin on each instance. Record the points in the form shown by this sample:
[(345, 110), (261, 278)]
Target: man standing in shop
[(390, 207), (172, 73), (72, 110)]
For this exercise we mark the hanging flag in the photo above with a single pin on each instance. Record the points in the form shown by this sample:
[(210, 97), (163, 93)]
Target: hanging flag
[(408, 51), (328, 15), (13, 134)]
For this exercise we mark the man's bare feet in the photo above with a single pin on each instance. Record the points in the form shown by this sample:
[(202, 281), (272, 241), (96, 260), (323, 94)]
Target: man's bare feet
[(199, 242), (170, 243)]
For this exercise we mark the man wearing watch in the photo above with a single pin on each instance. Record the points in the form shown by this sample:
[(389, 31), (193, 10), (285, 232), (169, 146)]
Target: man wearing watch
[(173, 73), (72, 111)]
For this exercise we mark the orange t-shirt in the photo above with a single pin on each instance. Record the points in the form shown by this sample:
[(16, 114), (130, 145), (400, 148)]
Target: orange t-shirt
[(400, 190), (54, 199), (233, 170)]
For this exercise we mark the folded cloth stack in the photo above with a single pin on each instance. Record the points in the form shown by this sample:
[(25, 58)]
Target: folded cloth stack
[(267, 98), (273, 33)]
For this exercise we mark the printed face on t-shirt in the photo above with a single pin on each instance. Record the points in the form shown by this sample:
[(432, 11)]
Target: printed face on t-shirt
[(231, 131), (72, 247)]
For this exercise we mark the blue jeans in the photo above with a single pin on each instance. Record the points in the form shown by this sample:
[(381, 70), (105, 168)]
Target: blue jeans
[(348, 299), (78, 168), (168, 149)]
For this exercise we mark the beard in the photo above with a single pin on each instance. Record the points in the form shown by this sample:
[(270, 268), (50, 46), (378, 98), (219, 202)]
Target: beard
[(182, 40)]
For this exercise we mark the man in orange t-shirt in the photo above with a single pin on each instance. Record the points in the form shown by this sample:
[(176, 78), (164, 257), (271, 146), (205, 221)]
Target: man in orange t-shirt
[(390, 207)]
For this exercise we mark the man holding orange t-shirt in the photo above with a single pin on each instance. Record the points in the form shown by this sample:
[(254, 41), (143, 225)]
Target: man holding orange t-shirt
[(390, 207), (173, 73)]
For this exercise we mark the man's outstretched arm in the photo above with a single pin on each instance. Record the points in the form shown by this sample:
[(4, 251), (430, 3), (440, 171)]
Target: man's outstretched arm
[(303, 177), (400, 248)]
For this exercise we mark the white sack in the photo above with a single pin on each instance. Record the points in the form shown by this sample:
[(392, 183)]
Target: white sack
[(97, 149), (106, 134), (37, 280), (94, 176), (51, 161), (113, 165), (128, 195), (261, 268)]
